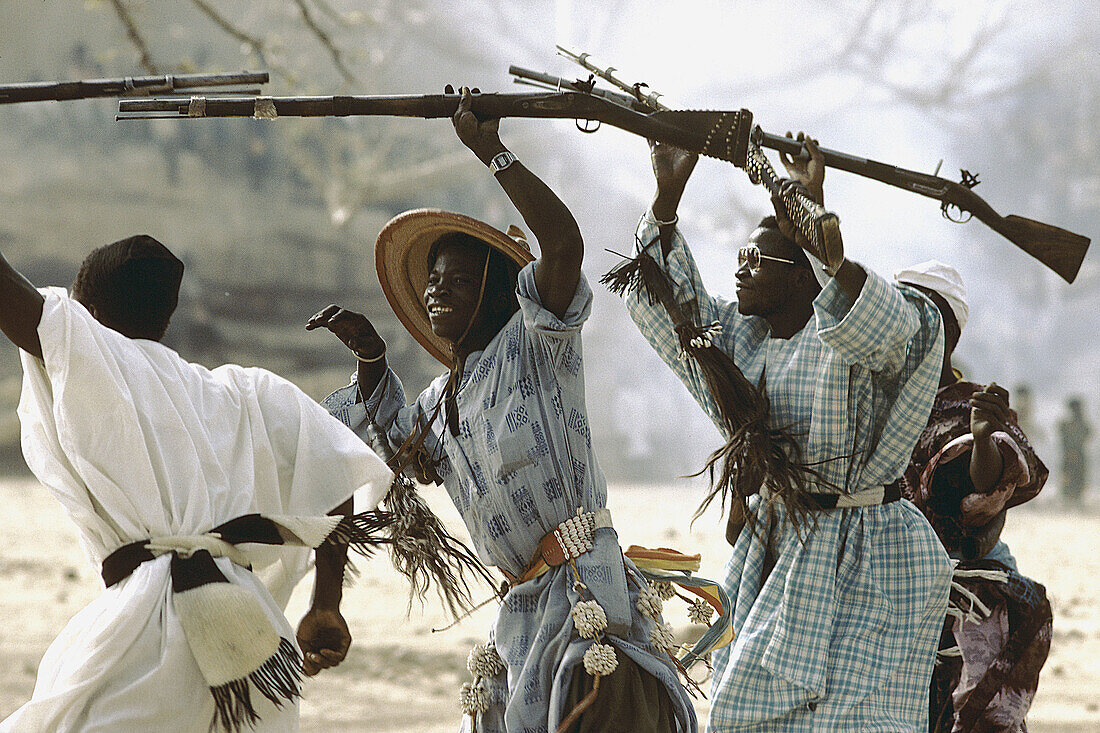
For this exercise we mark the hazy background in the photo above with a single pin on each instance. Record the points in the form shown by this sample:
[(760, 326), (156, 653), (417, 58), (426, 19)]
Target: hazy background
[(278, 218)]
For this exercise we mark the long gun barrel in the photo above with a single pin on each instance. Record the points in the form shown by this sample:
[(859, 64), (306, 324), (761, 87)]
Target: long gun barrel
[(128, 86), (718, 134), (1060, 250)]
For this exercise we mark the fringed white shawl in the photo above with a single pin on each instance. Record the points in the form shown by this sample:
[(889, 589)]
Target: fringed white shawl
[(137, 443)]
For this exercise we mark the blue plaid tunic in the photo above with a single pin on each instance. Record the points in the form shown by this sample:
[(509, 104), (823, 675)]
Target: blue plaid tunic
[(842, 635), (521, 464)]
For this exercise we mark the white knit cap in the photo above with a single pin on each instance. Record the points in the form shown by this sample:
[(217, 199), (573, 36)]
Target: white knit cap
[(943, 279)]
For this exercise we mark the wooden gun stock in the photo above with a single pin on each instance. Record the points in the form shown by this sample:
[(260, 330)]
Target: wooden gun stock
[(1060, 250)]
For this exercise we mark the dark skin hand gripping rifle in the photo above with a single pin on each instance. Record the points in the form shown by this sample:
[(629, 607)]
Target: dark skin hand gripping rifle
[(128, 86), (1060, 250)]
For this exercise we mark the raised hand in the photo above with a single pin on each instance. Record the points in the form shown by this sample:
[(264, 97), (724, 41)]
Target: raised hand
[(354, 329), (988, 411), (480, 136), (672, 166), (808, 168)]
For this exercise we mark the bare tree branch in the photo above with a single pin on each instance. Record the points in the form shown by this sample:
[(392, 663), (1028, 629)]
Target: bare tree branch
[(257, 45), (326, 41), (127, 19), (326, 8)]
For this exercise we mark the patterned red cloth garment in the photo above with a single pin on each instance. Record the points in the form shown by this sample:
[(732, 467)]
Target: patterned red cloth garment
[(989, 681), (940, 485)]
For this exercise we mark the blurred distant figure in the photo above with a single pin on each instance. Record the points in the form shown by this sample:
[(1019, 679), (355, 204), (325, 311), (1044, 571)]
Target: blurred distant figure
[(1074, 431), (1025, 415)]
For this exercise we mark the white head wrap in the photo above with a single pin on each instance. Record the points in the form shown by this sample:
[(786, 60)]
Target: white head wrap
[(943, 279)]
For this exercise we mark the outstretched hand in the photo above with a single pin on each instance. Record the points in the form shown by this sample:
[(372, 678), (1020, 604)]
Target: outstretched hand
[(672, 166), (808, 168), (354, 329), (480, 136), (324, 638)]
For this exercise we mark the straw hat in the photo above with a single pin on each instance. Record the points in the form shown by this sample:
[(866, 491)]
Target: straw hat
[(401, 258)]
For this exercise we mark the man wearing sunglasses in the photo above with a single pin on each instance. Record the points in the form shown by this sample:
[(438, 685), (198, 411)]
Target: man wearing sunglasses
[(839, 588)]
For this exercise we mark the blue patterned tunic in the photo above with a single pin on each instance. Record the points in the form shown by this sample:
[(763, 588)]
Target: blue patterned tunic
[(521, 464), (842, 634)]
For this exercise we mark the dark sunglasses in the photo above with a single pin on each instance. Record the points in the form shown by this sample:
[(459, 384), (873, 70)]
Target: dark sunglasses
[(750, 255)]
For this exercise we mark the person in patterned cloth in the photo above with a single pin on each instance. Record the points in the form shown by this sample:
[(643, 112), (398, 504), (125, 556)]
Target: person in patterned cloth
[(836, 611), (973, 463), (579, 643)]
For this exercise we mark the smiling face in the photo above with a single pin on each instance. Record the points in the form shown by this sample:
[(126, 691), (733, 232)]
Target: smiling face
[(767, 288), (454, 283)]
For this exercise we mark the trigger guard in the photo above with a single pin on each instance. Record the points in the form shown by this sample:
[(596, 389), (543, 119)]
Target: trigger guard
[(946, 209), (584, 128)]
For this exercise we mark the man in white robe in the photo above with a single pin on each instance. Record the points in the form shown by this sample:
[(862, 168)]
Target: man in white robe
[(136, 443)]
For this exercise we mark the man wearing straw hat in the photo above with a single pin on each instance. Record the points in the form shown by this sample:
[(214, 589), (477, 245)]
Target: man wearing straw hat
[(579, 644), (167, 468), (972, 463), (820, 381)]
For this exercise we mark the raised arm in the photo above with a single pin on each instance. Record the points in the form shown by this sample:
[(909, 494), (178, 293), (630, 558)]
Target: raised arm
[(360, 336), (20, 309), (561, 248), (672, 167), (808, 171)]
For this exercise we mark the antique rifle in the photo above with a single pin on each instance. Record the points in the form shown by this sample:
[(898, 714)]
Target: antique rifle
[(723, 135), (128, 86), (1060, 250)]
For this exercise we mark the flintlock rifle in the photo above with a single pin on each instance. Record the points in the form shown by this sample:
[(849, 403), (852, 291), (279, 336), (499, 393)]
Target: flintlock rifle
[(1060, 250), (718, 134), (128, 86)]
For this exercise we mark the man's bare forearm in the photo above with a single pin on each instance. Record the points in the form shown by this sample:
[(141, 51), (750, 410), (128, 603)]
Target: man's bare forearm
[(20, 309), (851, 278), (986, 465), (368, 375), (552, 224), (328, 585)]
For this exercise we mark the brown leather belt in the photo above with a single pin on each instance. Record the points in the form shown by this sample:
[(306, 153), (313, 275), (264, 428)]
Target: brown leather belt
[(570, 539)]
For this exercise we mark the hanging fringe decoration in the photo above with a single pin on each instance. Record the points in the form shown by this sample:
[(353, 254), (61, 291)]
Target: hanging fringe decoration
[(279, 680), (364, 532), (424, 551), (754, 453), (421, 548)]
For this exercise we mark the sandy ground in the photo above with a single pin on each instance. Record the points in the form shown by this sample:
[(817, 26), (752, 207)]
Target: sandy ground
[(399, 676)]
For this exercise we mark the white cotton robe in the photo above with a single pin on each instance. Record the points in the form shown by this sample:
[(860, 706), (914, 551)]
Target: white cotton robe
[(136, 442)]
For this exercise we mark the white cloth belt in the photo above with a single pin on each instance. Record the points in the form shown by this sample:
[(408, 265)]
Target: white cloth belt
[(864, 497), (187, 545)]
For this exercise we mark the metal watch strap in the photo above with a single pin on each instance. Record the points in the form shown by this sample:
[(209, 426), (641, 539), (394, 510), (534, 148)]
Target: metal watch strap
[(501, 161)]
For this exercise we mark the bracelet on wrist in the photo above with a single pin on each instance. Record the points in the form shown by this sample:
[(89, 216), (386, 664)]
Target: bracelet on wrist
[(654, 220), (370, 359)]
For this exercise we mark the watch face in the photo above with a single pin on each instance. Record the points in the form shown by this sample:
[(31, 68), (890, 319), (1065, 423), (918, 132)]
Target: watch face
[(501, 161)]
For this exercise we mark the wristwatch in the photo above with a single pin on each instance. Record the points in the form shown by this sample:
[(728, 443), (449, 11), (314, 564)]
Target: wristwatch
[(501, 161)]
